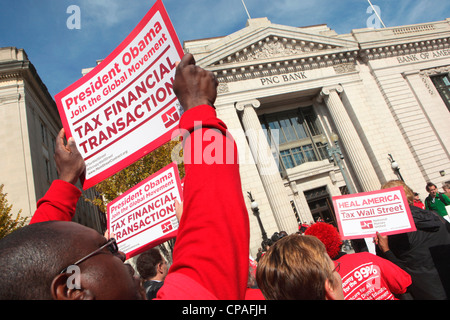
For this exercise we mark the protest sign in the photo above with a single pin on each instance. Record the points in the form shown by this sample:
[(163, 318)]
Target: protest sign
[(364, 214), (125, 107), (144, 216)]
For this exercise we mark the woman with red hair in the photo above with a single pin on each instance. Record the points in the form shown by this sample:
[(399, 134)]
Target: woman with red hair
[(365, 276)]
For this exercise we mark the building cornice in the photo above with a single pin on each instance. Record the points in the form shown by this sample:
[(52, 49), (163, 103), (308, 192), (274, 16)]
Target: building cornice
[(283, 53), (394, 50), (13, 69), (277, 55), (342, 61), (402, 40), (18, 67)]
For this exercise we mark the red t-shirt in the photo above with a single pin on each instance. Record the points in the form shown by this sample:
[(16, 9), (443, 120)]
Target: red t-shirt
[(254, 294), (366, 276), (212, 246), (215, 221), (419, 204), (59, 203)]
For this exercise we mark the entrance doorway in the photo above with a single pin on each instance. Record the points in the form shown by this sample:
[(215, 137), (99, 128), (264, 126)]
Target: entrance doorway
[(319, 202)]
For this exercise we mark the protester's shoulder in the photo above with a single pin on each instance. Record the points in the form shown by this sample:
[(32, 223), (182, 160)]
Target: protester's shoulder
[(63, 186), (200, 110)]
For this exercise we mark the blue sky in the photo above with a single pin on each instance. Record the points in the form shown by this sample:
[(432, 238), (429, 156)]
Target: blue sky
[(59, 53)]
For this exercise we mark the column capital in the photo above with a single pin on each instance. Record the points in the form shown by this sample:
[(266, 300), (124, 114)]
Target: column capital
[(327, 90), (241, 104)]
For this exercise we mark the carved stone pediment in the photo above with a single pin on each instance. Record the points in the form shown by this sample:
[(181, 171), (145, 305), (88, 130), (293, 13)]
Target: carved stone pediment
[(263, 49), (272, 47), (276, 55)]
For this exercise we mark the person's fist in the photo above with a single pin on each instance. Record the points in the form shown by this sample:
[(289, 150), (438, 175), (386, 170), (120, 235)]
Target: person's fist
[(194, 85), (69, 162)]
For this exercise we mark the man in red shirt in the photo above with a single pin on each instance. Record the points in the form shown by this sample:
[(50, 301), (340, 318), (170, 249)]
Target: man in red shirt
[(214, 224), (215, 220)]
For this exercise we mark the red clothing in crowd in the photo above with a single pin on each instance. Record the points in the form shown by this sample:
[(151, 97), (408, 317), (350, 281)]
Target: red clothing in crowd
[(59, 203), (212, 246), (254, 294), (419, 204), (215, 221), (366, 276)]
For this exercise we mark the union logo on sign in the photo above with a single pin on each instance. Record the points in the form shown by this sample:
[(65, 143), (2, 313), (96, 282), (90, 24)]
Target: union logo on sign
[(170, 117), (166, 227), (368, 224)]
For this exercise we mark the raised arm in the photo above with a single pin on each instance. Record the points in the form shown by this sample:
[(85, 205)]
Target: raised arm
[(59, 203), (211, 254)]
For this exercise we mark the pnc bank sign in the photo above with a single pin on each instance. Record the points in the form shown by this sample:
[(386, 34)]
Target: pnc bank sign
[(283, 78)]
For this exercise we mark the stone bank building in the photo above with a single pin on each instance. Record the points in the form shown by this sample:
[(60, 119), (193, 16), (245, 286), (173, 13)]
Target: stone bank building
[(318, 114), (315, 114), (29, 124)]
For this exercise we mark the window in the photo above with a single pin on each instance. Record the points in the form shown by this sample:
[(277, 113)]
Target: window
[(53, 165), (298, 132), (44, 133), (442, 84), (320, 204), (47, 170)]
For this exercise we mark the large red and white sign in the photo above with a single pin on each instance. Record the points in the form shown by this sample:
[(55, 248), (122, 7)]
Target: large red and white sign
[(125, 107), (364, 214), (144, 216)]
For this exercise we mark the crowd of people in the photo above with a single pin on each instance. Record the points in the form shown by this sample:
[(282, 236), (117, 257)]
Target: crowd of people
[(36, 260), (413, 265)]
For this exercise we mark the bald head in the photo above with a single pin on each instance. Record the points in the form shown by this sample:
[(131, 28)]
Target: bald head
[(31, 259), (31, 256)]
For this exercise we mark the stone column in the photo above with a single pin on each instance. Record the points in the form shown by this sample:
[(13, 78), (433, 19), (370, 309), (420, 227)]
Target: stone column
[(349, 137), (267, 167)]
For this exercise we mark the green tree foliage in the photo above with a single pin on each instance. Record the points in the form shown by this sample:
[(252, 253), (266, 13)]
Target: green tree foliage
[(7, 223), (127, 178)]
